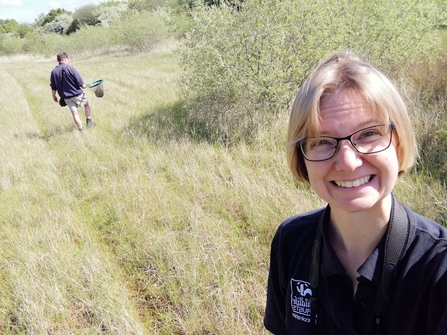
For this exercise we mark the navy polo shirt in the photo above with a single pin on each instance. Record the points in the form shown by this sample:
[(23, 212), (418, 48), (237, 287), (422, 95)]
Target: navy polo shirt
[(66, 81), (418, 298)]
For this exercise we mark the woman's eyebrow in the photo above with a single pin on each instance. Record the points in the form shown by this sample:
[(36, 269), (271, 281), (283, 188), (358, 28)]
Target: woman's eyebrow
[(364, 124)]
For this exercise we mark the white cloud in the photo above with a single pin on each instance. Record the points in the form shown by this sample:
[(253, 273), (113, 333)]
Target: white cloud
[(54, 5), (11, 3)]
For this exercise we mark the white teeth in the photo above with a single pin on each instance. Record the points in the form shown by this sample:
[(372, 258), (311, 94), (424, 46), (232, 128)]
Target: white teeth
[(354, 183)]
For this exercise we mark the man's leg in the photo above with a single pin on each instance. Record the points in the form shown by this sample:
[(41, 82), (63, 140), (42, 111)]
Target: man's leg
[(76, 118), (88, 113)]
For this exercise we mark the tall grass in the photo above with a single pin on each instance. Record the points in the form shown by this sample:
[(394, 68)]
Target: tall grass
[(139, 225), (125, 229)]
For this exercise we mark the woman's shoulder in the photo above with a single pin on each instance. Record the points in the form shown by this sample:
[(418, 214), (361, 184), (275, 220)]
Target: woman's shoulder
[(428, 246), (430, 230), (303, 218), (300, 226)]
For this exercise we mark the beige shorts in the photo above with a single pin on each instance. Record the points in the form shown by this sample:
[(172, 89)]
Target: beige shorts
[(74, 103)]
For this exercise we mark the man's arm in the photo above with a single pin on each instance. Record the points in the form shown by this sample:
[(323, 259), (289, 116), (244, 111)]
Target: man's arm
[(77, 77), (53, 85), (53, 92)]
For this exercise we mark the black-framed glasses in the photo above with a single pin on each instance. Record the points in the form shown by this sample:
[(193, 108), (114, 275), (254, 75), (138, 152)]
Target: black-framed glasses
[(369, 140)]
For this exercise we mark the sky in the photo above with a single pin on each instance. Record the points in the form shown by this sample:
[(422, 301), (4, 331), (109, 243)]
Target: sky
[(27, 11)]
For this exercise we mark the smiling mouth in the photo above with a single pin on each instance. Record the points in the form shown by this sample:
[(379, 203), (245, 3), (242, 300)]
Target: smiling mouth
[(354, 183)]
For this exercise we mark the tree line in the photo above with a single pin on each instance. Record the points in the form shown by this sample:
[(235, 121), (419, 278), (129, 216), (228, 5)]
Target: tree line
[(61, 21)]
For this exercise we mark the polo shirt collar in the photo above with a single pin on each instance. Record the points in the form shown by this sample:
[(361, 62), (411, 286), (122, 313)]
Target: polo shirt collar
[(331, 265)]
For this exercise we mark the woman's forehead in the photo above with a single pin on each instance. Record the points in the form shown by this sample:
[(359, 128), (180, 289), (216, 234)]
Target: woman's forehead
[(344, 105), (344, 111)]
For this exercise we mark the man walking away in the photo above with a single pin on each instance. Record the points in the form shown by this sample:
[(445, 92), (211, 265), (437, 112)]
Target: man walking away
[(67, 82)]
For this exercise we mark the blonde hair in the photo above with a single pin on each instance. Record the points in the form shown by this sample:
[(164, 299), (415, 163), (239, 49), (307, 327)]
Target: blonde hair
[(345, 70)]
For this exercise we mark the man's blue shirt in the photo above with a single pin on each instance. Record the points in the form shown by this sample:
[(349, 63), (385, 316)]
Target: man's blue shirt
[(66, 81)]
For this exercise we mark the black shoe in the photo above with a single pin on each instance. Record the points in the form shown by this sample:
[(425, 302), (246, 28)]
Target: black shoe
[(90, 123)]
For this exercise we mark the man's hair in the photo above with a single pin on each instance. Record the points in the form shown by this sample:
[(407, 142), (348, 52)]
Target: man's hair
[(61, 56), (345, 70)]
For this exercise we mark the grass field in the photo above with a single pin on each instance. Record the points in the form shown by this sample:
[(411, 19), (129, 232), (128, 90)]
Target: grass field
[(133, 227), (130, 227)]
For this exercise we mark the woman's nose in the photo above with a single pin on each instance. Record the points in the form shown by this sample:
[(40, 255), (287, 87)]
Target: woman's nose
[(347, 157)]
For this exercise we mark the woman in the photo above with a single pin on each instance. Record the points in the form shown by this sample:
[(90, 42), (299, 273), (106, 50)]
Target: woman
[(365, 264)]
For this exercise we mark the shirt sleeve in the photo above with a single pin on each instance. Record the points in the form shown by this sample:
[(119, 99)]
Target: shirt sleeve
[(77, 77), (52, 82)]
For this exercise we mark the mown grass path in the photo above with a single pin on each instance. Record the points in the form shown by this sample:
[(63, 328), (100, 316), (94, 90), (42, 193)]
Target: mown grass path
[(131, 227)]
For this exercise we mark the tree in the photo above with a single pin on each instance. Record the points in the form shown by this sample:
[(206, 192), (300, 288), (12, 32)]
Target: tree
[(233, 3), (51, 16), (59, 24), (240, 64), (141, 5), (23, 29), (14, 28), (9, 26), (74, 25), (87, 15), (111, 12)]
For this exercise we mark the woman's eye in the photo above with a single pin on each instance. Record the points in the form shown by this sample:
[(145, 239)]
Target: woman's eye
[(369, 133), (324, 142), (372, 133), (318, 144)]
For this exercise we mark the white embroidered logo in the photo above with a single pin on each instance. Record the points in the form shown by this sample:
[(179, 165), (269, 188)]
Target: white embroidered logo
[(301, 294)]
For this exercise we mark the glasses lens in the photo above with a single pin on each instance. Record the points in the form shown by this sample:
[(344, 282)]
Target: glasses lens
[(372, 139), (366, 141), (319, 149)]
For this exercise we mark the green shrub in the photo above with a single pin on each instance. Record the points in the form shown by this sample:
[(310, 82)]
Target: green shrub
[(91, 39), (141, 31), (10, 44), (46, 44), (251, 62), (88, 15)]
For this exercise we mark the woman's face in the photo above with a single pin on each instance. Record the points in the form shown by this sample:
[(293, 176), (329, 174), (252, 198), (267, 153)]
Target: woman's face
[(351, 181)]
